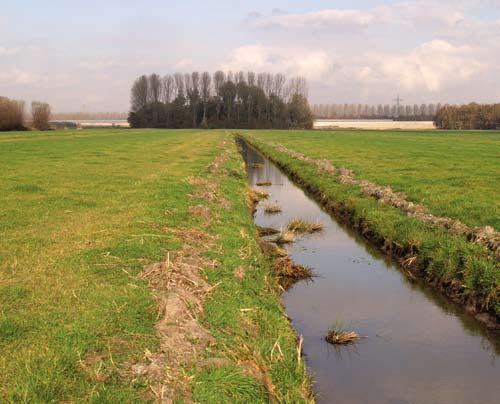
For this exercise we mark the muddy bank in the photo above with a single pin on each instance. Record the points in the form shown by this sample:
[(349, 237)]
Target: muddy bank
[(410, 258)]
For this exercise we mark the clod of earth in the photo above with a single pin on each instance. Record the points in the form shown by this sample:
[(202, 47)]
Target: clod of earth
[(266, 231), (271, 249)]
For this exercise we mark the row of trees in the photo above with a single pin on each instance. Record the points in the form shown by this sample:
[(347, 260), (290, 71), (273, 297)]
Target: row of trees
[(13, 117), (221, 100), (364, 111), (470, 116)]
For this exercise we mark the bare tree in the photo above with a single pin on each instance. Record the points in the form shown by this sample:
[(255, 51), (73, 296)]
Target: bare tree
[(179, 84), (168, 88), (154, 88), (11, 114), (139, 93), (40, 111), (206, 81)]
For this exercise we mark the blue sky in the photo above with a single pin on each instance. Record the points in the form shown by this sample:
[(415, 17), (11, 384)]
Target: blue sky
[(85, 54)]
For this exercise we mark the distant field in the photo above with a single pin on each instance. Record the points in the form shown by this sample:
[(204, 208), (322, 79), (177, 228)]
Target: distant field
[(372, 124), (82, 213), (454, 174)]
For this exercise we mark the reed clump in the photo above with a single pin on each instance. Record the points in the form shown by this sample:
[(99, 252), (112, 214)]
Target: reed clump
[(338, 335), (303, 226)]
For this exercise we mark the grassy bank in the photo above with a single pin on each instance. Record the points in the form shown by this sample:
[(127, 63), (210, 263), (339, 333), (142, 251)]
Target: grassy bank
[(467, 272), (83, 213), (453, 173)]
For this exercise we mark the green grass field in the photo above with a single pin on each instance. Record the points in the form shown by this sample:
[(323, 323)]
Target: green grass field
[(82, 214), (455, 174)]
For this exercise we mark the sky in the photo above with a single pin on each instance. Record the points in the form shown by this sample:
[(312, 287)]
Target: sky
[(84, 55)]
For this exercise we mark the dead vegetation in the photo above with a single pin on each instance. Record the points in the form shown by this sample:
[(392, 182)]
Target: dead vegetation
[(338, 335), (272, 208), (285, 237), (302, 226), (286, 267), (256, 165), (264, 183)]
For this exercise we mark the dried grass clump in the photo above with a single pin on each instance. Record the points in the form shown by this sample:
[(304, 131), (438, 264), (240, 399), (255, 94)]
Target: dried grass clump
[(303, 226), (257, 165), (264, 183), (255, 196), (285, 267), (285, 237), (338, 335), (271, 208)]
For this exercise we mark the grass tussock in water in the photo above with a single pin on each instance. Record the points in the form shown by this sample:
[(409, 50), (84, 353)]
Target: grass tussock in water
[(286, 267), (285, 237), (303, 226), (338, 335), (271, 208), (264, 183), (257, 165)]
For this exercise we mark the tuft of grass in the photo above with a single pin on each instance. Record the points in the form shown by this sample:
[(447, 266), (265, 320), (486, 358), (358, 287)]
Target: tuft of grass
[(303, 226), (272, 208), (257, 165), (286, 267), (285, 237), (339, 335), (264, 183)]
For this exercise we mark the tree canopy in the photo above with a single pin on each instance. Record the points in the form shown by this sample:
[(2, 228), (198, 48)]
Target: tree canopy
[(221, 100)]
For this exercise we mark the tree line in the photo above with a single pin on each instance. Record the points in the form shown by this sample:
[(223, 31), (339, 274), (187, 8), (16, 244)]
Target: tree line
[(469, 116), (220, 100), (380, 111), (13, 116)]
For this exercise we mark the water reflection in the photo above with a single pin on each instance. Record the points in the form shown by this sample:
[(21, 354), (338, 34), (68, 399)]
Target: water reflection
[(420, 347)]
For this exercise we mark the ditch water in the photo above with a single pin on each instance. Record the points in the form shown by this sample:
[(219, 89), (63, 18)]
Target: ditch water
[(419, 347)]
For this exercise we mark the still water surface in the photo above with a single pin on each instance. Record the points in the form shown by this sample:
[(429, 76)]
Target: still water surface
[(419, 347)]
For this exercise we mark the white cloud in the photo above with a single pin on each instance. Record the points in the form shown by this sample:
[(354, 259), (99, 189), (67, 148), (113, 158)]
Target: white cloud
[(8, 51), (312, 64), (318, 19), (14, 76), (432, 65), (409, 13)]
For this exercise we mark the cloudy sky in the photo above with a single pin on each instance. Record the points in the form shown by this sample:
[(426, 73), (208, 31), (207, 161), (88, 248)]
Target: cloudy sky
[(84, 55)]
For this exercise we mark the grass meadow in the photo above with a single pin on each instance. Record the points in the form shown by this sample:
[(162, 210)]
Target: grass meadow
[(82, 214)]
